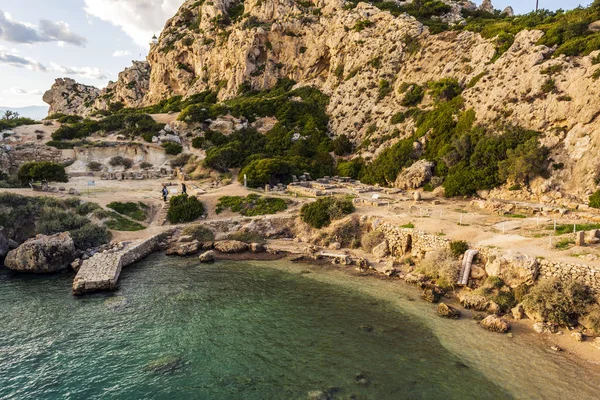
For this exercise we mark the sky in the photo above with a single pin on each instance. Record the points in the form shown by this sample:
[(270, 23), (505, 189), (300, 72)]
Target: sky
[(91, 41)]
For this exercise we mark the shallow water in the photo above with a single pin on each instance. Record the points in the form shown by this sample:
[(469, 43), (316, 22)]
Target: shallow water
[(255, 330)]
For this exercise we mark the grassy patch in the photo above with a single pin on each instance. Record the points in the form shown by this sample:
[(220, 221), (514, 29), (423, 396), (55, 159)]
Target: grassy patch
[(251, 205), (568, 228), (132, 210), (119, 223), (564, 244), (410, 225)]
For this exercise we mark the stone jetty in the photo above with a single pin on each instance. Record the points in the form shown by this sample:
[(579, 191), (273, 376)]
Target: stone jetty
[(102, 271)]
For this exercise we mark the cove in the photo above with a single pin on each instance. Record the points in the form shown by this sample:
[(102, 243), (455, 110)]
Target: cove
[(232, 330)]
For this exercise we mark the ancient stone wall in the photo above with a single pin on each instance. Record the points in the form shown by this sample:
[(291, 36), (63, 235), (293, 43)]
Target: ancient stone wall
[(404, 241), (581, 273), (14, 157)]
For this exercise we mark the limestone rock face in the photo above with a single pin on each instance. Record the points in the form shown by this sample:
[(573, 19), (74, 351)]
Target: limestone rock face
[(515, 269), (69, 97), (509, 11), (42, 254), (495, 324), (415, 176), (487, 6), (287, 39), (130, 89)]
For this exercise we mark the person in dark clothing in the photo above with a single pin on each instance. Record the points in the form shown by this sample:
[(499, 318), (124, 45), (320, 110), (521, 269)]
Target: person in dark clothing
[(165, 193), (183, 188)]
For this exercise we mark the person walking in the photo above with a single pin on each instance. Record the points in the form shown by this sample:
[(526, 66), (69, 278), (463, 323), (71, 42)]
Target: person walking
[(165, 193), (183, 188)]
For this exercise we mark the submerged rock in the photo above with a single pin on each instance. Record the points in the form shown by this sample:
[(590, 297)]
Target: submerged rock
[(165, 365), (432, 294), (207, 257), (495, 324), (42, 254), (446, 311), (115, 302)]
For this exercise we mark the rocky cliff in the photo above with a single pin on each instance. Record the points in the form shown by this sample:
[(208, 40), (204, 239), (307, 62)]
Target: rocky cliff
[(361, 57)]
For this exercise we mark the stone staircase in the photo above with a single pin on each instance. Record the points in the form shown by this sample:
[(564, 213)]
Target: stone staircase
[(161, 216)]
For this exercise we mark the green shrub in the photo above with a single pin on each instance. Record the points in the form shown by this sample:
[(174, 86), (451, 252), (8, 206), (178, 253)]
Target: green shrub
[(595, 199), (362, 25), (592, 318), (130, 209), (172, 148), (184, 208), (323, 211), (200, 233), (251, 205), (413, 95), (445, 89), (90, 235), (117, 161), (352, 169), (384, 89), (458, 248), (342, 145), (558, 302), (42, 171), (87, 208), (549, 86), (94, 166)]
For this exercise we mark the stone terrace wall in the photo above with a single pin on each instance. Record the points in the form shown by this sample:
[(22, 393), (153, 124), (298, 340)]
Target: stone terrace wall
[(581, 273), (22, 154), (404, 241)]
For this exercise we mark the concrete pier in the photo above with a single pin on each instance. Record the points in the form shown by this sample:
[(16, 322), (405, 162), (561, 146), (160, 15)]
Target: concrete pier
[(102, 271)]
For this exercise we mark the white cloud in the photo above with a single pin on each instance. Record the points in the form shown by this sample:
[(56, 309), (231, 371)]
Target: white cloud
[(48, 31), (21, 91), (140, 19), (33, 65), (121, 53)]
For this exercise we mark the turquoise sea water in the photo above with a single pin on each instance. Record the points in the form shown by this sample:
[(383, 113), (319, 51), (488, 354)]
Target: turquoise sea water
[(176, 329)]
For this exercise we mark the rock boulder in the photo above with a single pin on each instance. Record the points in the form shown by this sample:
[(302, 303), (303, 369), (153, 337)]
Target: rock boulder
[(514, 269), (42, 254), (231, 246), (446, 311), (415, 176), (495, 324)]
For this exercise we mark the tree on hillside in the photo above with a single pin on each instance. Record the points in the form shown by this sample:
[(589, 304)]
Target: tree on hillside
[(44, 171)]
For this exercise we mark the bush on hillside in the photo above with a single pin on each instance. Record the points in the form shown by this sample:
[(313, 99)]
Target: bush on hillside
[(342, 146), (372, 239), (413, 95), (320, 213), (595, 199), (90, 235), (558, 302), (442, 266), (458, 248), (172, 148), (119, 161), (184, 208)]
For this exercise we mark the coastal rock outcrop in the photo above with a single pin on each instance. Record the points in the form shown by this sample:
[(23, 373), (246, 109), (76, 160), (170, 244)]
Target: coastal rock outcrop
[(473, 301), (514, 269), (70, 97), (42, 254), (231, 246)]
